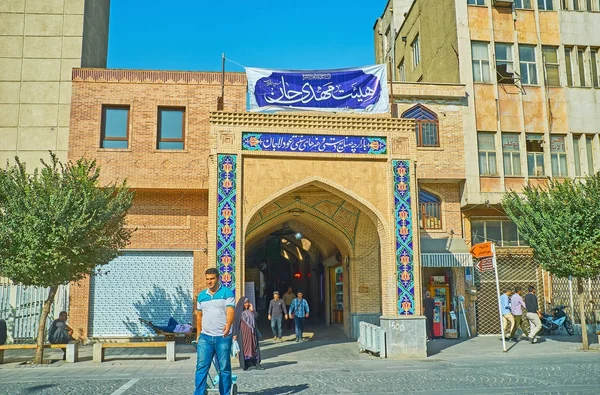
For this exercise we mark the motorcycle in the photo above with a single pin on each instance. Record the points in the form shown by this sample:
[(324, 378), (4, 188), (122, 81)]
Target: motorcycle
[(553, 322)]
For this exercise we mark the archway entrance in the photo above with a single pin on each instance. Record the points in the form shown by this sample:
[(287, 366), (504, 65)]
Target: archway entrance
[(321, 242)]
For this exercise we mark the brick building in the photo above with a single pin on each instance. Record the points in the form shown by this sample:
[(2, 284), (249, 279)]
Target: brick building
[(339, 225)]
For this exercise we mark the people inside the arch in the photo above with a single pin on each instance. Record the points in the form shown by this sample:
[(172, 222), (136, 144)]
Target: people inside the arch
[(246, 334), (288, 298), (215, 312), (299, 312), (277, 312)]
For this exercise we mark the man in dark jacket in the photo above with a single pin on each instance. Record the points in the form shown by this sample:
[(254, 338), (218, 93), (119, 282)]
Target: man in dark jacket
[(533, 314), (277, 311), (60, 332), (428, 310)]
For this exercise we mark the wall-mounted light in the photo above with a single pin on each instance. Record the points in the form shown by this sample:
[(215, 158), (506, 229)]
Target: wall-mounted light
[(296, 211)]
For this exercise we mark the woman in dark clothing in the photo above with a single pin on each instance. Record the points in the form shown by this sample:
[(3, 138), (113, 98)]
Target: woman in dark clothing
[(245, 333)]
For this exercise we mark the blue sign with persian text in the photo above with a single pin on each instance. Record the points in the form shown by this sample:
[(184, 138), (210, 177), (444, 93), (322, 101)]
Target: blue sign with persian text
[(361, 89), (281, 142)]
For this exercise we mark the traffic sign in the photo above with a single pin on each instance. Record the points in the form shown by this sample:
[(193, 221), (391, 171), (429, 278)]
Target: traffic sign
[(482, 250), (485, 264)]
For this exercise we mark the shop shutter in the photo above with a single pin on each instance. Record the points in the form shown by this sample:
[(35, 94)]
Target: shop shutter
[(149, 285)]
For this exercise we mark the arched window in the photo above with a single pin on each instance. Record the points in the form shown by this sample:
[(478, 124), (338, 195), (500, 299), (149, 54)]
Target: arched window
[(426, 125), (430, 211)]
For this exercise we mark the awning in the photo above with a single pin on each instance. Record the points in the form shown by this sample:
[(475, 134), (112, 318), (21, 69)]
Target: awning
[(446, 252)]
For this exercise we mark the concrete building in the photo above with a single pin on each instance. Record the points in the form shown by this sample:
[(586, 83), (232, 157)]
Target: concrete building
[(41, 41), (531, 73), (206, 195)]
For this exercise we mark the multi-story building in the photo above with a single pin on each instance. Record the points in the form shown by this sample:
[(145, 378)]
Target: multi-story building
[(531, 72), (323, 222), (41, 41)]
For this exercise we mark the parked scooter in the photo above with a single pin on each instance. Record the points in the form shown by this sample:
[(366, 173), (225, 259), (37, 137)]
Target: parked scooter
[(552, 323)]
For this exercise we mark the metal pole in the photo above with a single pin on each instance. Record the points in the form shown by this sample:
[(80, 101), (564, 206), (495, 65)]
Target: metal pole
[(223, 77), (462, 307), (498, 296)]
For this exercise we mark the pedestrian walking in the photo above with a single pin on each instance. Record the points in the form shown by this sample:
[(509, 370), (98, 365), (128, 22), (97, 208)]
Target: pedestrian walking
[(215, 311), (507, 317), (517, 306), (245, 333), (299, 312), (288, 298), (277, 312), (533, 314), (428, 310)]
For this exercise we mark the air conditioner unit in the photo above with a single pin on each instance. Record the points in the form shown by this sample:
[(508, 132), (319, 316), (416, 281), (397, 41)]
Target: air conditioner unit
[(506, 74), (502, 3)]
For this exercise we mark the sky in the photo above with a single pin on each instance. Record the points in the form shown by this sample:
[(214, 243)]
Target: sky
[(279, 34)]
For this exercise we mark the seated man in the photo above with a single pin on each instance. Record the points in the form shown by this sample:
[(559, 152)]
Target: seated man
[(174, 327), (60, 332)]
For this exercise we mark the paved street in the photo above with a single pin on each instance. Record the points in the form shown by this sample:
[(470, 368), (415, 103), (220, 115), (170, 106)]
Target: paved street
[(326, 364)]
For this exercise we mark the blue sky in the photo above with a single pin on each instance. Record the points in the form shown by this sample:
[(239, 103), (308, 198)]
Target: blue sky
[(192, 34)]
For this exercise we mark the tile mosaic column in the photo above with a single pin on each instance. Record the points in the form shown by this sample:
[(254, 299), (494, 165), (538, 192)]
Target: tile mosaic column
[(226, 219), (404, 238)]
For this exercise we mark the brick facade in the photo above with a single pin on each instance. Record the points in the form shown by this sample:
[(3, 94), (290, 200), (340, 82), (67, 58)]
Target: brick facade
[(175, 191)]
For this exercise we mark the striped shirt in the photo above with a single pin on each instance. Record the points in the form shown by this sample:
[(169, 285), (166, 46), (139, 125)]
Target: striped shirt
[(214, 310), (299, 307)]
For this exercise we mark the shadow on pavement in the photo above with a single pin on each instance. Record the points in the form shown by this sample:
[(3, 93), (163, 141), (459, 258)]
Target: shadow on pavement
[(270, 365), (438, 345), (283, 390), (36, 388)]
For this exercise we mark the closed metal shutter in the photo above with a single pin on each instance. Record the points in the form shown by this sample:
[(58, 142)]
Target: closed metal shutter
[(149, 285)]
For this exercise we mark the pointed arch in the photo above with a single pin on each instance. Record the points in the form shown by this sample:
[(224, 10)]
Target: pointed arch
[(426, 125)]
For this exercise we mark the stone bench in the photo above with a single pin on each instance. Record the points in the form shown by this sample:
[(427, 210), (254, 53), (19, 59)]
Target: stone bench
[(71, 349), (99, 348)]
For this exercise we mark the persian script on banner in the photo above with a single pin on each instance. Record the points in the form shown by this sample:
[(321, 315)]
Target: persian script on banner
[(362, 89)]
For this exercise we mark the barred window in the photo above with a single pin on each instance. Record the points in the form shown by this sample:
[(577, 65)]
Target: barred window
[(430, 211), (426, 125)]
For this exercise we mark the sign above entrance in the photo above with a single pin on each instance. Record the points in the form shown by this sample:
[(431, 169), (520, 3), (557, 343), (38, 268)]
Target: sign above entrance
[(362, 89), (482, 250), (282, 142)]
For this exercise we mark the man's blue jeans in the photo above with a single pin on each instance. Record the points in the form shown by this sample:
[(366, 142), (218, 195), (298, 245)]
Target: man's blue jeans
[(208, 347), (299, 321), (276, 326)]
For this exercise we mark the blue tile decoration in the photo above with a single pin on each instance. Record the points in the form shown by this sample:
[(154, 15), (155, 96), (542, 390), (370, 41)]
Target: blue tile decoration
[(404, 238), (226, 217), (150, 285), (283, 142)]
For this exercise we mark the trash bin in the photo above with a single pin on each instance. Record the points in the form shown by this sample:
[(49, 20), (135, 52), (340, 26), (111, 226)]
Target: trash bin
[(2, 332)]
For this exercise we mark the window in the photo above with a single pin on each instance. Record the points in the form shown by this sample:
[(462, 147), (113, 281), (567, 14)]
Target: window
[(564, 4), (527, 63), (115, 127), (487, 154), (588, 5), (589, 148), (416, 52), (430, 211), (387, 43), (476, 2), (581, 67), (171, 128), (426, 125), (401, 71), (511, 154), (504, 59), (481, 62), (575, 5), (550, 56), (569, 66), (523, 4), (558, 156), (546, 5), (535, 155), (503, 232), (594, 67), (577, 155)]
